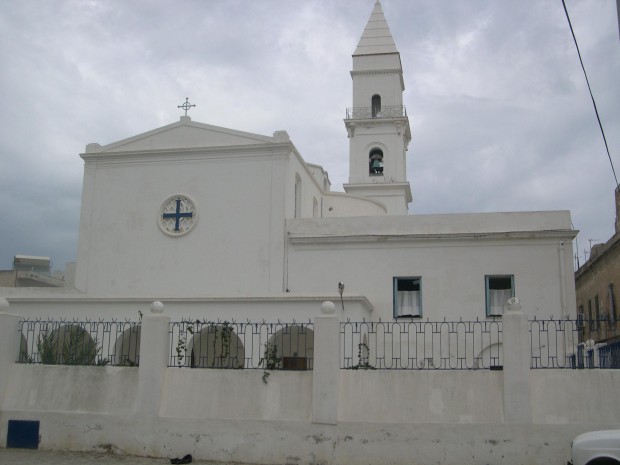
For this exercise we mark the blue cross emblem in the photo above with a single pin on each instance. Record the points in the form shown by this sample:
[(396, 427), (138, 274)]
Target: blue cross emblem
[(177, 215)]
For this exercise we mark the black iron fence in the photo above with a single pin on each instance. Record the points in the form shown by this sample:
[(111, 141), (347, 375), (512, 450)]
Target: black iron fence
[(394, 111), (223, 344), (553, 343), (562, 344), (79, 342), (392, 345), (422, 345), (609, 355), (595, 355)]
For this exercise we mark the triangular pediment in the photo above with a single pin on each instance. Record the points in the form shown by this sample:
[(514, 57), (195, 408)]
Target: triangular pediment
[(184, 134)]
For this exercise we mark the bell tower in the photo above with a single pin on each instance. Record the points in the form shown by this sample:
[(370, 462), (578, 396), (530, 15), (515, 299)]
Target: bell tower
[(377, 124)]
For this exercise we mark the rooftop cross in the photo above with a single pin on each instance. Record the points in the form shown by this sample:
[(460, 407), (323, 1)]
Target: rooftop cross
[(186, 106)]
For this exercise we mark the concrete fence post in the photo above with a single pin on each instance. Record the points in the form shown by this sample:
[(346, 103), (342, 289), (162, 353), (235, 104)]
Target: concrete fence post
[(326, 369), (9, 343), (517, 356), (154, 353)]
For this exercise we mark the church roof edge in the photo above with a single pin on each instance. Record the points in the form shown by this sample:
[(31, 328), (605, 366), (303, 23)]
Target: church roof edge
[(133, 142)]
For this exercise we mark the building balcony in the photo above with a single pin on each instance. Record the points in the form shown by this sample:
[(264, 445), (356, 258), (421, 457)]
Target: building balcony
[(396, 111)]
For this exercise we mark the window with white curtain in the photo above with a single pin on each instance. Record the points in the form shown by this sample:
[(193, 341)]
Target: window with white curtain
[(407, 297), (499, 289)]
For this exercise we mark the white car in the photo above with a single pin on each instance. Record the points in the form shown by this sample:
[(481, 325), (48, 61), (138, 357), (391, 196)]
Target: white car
[(596, 448)]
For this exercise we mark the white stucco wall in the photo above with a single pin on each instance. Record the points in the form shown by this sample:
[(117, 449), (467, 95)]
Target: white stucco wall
[(451, 253), (386, 137), (373, 396), (447, 397), (574, 396), (235, 247), (388, 83), (237, 394), (379, 416), (339, 205), (47, 388), (233, 416), (310, 188)]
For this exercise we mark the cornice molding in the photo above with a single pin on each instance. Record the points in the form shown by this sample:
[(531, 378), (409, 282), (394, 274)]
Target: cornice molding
[(401, 123), (377, 71), (418, 238), (192, 154), (84, 299)]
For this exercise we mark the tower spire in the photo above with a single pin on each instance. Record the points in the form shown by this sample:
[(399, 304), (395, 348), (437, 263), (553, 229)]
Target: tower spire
[(377, 123), (376, 38)]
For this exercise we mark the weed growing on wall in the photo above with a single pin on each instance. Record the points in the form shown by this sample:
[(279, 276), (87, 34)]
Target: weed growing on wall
[(182, 344), (68, 346), (270, 360), (362, 357)]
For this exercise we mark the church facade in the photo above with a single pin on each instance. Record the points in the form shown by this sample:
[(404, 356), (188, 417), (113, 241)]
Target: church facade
[(195, 214)]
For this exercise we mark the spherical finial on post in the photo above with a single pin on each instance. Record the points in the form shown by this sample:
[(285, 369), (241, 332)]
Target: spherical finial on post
[(328, 308), (157, 307), (514, 305)]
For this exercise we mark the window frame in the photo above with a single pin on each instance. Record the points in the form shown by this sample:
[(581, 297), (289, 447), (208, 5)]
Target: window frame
[(597, 312), (395, 301), (487, 289), (375, 106), (613, 316)]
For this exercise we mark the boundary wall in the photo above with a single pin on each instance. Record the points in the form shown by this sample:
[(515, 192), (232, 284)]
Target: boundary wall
[(325, 416)]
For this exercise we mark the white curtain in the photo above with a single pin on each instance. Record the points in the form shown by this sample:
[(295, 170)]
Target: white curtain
[(408, 303), (498, 299)]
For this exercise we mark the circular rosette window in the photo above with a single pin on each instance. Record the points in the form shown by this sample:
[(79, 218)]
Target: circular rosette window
[(178, 215)]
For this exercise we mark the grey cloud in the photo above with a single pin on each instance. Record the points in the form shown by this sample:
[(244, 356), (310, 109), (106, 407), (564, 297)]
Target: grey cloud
[(500, 115)]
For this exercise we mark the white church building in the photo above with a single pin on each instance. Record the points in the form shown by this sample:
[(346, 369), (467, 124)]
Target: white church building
[(192, 211), (221, 224)]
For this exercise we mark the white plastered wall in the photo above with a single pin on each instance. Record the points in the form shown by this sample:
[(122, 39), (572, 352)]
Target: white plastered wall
[(452, 266), (234, 248)]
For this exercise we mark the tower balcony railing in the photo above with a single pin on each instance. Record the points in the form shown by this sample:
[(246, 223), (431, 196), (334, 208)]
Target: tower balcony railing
[(395, 111)]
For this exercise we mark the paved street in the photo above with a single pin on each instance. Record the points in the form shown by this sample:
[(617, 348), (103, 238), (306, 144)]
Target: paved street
[(39, 457)]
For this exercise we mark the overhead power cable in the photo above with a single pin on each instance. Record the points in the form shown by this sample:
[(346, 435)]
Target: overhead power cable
[(600, 125)]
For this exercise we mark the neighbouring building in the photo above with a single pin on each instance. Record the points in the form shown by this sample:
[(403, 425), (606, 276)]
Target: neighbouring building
[(31, 271), (597, 283)]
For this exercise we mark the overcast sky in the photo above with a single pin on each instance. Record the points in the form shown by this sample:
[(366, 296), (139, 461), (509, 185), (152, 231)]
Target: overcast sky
[(499, 109)]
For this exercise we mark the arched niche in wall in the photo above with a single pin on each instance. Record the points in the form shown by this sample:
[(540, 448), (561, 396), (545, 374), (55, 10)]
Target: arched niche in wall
[(127, 347), (294, 346), (216, 346)]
